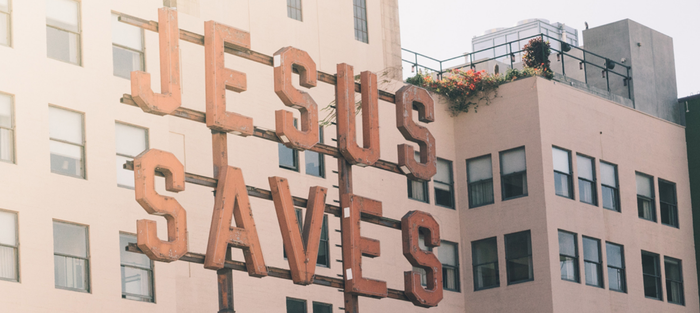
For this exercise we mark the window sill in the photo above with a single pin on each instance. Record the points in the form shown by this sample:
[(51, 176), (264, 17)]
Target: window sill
[(650, 298), (421, 201), (672, 226), (571, 281), (486, 288), (516, 197), (481, 205), (567, 197), (289, 168), (520, 281), (646, 219), (620, 291), (446, 207), (73, 289), (601, 287), (613, 210), (590, 203)]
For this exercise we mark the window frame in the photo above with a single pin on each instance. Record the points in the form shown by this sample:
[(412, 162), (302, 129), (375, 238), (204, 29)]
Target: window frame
[(9, 24), (148, 145), (450, 184), (673, 220), (88, 280), (306, 308), (12, 130), (508, 258), (455, 268), (150, 271), (599, 264), (594, 182), (615, 190), (656, 276), (669, 281), (569, 176), (141, 53), (83, 154), (78, 36), (299, 9), (619, 269), (480, 182), (324, 228), (651, 200), (575, 257), (475, 266), (360, 6), (424, 184), (15, 247), (321, 157), (315, 303), (524, 172)]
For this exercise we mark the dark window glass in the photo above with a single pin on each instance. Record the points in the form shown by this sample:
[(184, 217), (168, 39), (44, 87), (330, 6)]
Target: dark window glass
[(314, 160), (586, 179), (296, 305), (616, 267), (593, 262), (294, 9), (485, 264), (652, 275), (444, 186), (562, 172), (669, 207), (288, 157), (609, 186), (448, 256), (323, 258), (319, 307), (480, 178), (518, 257), (674, 281), (645, 197), (360, 14), (418, 190), (513, 173), (568, 256)]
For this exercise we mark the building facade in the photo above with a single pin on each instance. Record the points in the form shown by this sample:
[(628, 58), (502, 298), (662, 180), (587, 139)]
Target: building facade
[(546, 172)]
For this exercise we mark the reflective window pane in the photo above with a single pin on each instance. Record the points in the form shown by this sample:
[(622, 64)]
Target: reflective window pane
[(70, 239), (130, 140), (63, 14), (513, 161), (126, 35), (66, 125), (66, 159), (125, 61), (296, 306), (137, 272)]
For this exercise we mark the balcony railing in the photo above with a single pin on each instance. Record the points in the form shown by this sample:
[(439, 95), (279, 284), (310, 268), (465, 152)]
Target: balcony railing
[(593, 69)]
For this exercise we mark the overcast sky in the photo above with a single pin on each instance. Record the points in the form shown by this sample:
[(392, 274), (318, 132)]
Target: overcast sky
[(444, 28)]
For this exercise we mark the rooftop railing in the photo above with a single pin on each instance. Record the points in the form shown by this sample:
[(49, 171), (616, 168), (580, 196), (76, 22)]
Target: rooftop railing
[(598, 71)]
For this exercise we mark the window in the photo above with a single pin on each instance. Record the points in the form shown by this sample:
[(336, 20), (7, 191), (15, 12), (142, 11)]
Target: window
[(420, 270), (296, 305), (518, 257), (418, 190), (562, 172), (360, 13), (323, 258), (616, 267), (9, 243), (485, 264), (7, 129), (5, 23), (674, 280), (652, 275), (137, 272), (70, 256), (586, 179), (63, 30), (513, 173), (568, 256), (667, 199), (448, 256), (288, 157), (67, 143), (645, 197), (480, 178), (319, 307), (131, 141), (443, 184), (294, 9), (314, 160), (611, 194), (127, 48), (592, 261)]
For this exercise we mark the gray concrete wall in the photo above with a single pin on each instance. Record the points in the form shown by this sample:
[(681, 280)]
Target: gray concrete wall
[(649, 53)]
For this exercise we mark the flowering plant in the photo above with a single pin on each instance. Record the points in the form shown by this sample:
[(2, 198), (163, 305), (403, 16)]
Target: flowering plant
[(536, 55)]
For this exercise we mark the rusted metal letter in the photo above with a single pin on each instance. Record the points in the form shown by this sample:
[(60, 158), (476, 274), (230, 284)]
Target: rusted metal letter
[(219, 78), (232, 203), (301, 251), (145, 166), (284, 59), (356, 246), (406, 98), (411, 223), (170, 98), (345, 101)]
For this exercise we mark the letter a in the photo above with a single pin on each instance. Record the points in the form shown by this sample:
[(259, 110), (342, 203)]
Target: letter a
[(301, 253), (170, 98), (144, 184), (232, 203)]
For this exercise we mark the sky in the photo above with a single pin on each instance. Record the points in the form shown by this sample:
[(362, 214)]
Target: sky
[(444, 28)]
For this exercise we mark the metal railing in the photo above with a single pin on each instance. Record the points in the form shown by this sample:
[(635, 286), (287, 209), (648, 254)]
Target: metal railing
[(588, 61)]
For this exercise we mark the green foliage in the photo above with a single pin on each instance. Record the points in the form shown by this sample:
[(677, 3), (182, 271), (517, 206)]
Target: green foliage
[(536, 55)]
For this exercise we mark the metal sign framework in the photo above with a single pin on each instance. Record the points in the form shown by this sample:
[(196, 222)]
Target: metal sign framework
[(232, 194)]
